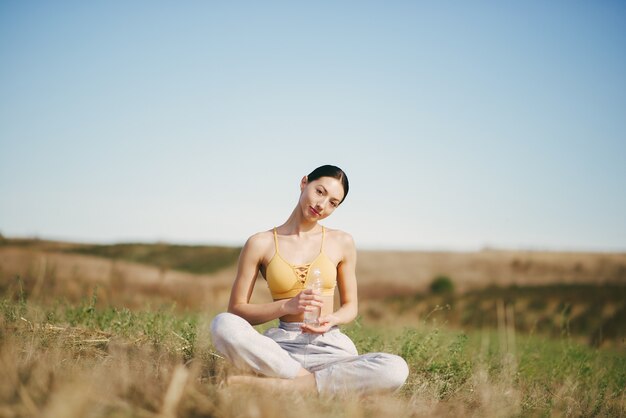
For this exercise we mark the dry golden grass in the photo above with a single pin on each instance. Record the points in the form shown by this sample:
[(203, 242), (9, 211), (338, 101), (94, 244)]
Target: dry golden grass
[(55, 372), (50, 368), (120, 283), (379, 273), (81, 371), (396, 272)]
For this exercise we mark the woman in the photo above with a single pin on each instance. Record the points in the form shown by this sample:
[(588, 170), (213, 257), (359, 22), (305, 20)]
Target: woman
[(314, 357)]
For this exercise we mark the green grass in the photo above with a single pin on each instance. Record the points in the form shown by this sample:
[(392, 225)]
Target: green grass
[(90, 358), (596, 313), (469, 370), (166, 327)]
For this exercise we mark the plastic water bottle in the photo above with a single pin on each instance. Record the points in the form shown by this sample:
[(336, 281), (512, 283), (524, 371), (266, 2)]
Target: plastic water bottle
[(312, 317)]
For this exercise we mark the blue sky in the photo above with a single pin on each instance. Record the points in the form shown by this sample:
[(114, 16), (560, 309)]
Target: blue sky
[(460, 125)]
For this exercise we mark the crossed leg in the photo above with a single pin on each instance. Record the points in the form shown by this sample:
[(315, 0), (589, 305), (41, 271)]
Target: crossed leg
[(238, 341), (304, 382)]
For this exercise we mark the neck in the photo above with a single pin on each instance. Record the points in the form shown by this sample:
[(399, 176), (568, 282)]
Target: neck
[(297, 225)]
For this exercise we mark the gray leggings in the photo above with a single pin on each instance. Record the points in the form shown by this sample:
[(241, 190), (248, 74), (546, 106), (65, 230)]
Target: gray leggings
[(283, 351)]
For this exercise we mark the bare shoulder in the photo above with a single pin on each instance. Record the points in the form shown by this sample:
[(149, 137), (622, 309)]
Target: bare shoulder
[(260, 240), (341, 240), (339, 236), (259, 244)]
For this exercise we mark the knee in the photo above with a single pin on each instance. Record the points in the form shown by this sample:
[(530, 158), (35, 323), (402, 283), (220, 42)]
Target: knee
[(223, 320), (394, 373), (224, 327)]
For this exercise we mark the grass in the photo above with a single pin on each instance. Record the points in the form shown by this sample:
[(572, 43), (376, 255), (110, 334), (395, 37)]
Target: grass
[(198, 259), (121, 349), (595, 314), (86, 360), (193, 259)]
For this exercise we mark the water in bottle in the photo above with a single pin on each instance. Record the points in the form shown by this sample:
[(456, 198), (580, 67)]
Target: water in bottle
[(312, 317)]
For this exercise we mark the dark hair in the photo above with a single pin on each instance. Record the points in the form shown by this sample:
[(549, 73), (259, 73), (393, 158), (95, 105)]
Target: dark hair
[(334, 172)]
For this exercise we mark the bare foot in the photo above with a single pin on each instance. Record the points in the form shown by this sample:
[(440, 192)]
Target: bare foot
[(300, 383)]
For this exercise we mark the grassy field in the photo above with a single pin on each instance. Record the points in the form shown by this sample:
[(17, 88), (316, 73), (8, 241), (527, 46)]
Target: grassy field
[(589, 313), (196, 259), (85, 336), (86, 360), (379, 272)]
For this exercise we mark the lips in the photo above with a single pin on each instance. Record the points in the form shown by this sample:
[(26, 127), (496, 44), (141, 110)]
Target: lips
[(313, 211)]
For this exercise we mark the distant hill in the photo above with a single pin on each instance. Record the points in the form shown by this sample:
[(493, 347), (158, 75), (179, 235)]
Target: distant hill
[(384, 273), (379, 273), (197, 259), (550, 292)]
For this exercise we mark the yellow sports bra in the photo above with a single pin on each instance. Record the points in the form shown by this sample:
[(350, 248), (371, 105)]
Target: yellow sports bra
[(286, 280)]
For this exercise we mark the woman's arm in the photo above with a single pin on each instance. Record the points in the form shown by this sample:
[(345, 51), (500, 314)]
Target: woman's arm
[(247, 271), (257, 313), (346, 281)]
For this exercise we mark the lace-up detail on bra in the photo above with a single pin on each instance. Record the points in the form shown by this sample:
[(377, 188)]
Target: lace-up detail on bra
[(302, 271), (286, 280)]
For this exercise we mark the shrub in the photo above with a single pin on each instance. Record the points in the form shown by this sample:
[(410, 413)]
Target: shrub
[(441, 285)]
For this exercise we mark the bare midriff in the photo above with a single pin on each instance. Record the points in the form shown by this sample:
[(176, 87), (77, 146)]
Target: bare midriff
[(327, 309)]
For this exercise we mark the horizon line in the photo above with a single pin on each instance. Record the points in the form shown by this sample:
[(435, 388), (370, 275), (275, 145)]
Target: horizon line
[(362, 247)]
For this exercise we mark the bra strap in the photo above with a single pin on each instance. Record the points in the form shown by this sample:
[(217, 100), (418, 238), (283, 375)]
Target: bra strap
[(323, 235), (276, 240)]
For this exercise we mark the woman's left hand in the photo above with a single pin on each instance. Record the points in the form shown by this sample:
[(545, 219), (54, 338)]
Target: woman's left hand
[(326, 322)]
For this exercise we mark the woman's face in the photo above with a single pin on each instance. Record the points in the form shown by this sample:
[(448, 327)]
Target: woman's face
[(319, 198)]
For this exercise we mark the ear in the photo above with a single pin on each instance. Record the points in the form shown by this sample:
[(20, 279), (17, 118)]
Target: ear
[(303, 183)]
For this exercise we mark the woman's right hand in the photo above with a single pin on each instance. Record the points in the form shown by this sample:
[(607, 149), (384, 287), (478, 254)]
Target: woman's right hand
[(303, 301)]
